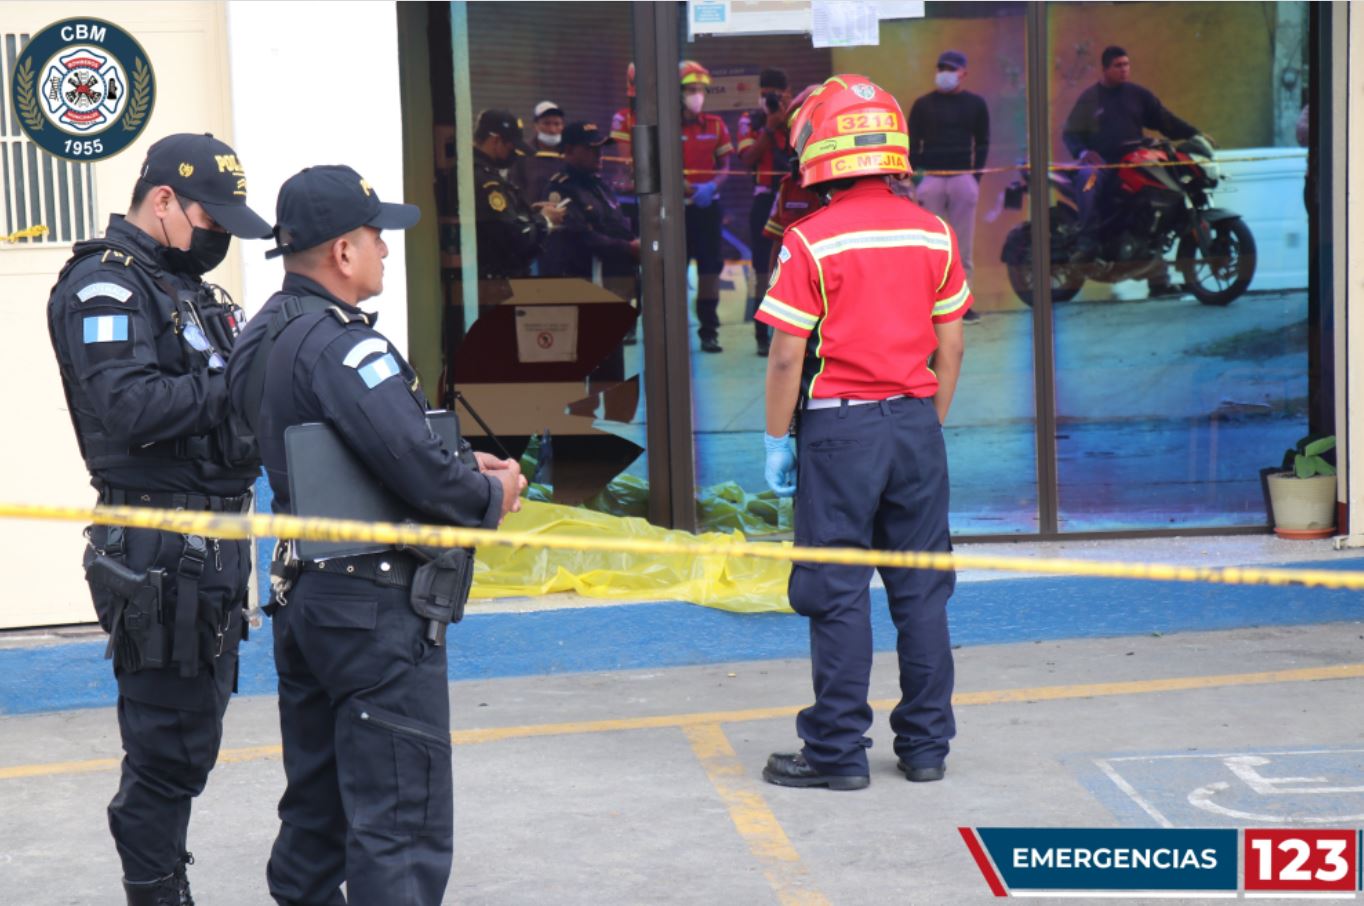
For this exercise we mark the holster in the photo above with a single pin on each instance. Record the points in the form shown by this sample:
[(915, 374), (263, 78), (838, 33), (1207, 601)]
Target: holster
[(440, 589), (137, 636)]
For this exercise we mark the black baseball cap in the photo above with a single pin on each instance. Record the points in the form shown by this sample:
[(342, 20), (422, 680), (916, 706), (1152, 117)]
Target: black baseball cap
[(201, 168), (585, 134), (321, 203), (505, 124), (954, 58)]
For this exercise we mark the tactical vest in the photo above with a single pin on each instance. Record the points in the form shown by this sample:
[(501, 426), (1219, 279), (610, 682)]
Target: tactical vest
[(206, 323)]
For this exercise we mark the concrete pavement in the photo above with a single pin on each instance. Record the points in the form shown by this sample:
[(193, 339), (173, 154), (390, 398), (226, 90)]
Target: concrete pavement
[(643, 786)]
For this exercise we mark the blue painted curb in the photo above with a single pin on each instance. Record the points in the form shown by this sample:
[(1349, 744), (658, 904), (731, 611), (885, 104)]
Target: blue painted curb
[(670, 634)]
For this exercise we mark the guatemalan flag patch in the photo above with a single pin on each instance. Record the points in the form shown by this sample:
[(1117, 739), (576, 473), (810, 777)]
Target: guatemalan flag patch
[(379, 370), (106, 328)]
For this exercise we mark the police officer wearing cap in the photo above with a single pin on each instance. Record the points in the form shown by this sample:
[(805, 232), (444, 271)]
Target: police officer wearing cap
[(511, 230), (363, 692), (880, 282), (594, 227), (142, 341)]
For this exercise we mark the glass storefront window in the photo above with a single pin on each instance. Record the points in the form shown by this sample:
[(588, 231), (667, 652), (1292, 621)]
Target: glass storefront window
[(1180, 297), (1176, 317), (991, 430)]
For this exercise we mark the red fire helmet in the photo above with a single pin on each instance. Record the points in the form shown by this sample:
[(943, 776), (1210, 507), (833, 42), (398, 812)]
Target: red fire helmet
[(850, 127), (693, 73)]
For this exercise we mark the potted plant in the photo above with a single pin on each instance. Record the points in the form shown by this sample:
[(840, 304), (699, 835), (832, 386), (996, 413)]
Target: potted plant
[(1303, 493)]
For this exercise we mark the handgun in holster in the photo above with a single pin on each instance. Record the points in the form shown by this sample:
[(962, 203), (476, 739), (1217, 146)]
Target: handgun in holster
[(137, 636), (440, 588)]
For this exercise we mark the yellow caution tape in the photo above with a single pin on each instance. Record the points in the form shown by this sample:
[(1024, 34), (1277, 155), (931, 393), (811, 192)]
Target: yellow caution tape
[(1013, 167), (241, 527), (32, 232)]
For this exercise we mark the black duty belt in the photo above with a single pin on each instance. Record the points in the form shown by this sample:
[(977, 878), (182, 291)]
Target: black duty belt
[(175, 500), (392, 569)]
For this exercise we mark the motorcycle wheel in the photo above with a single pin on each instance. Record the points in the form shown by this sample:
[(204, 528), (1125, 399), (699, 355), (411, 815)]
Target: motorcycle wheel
[(1065, 282), (1221, 278)]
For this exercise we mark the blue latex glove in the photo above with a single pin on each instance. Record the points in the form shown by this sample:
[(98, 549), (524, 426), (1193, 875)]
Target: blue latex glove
[(705, 194), (780, 472)]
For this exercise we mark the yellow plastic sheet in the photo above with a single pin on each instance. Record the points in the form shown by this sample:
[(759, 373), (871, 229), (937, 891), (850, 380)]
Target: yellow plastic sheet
[(726, 583)]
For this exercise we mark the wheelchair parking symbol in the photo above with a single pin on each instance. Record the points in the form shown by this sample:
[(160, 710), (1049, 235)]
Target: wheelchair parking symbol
[(1232, 789)]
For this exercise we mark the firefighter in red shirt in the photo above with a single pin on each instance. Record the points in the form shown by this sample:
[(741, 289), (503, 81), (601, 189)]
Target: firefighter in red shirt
[(879, 283), (764, 146), (706, 148)]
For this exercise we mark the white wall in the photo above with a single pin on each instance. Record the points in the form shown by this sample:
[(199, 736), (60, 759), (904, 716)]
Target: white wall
[(318, 84), (39, 460)]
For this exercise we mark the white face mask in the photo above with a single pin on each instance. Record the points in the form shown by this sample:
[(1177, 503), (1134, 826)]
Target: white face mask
[(546, 138), (947, 80), (694, 102)]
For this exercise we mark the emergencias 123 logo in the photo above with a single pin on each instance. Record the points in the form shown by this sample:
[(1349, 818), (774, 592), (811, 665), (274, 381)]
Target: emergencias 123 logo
[(83, 89)]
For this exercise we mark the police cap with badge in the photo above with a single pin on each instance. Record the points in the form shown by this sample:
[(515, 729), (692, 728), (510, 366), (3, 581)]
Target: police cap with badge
[(505, 125), (322, 203), (200, 168), (580, 134)]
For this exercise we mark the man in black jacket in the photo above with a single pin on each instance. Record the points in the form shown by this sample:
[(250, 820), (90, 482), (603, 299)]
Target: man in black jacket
[(1106, 123), (949, 130)]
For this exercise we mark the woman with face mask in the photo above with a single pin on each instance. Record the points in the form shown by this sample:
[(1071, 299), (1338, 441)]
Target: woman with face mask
[(949, 134)]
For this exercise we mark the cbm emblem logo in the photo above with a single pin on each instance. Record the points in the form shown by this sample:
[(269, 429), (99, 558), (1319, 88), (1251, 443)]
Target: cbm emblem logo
[(83, 89)]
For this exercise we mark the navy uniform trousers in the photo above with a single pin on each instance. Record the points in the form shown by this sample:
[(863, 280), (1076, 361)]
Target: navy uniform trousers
[(172, 726), (873, 476), (364, 708)]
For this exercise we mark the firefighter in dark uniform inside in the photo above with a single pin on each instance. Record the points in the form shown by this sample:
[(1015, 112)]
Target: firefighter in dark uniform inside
[(595, 229), (880, 283), (142, 341), (511, 229), (363, 691)]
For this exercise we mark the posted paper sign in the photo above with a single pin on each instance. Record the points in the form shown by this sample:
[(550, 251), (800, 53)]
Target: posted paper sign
[(748, 17), (546, 333), (844, 23)]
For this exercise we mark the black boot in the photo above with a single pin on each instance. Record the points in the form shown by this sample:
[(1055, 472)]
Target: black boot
[(182, 875), (162, 892)]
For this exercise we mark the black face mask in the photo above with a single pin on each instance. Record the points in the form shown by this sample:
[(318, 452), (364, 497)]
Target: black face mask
[(207, 249)]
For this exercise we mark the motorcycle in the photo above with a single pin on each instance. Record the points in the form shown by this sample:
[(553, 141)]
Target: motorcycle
[(1158, 206)]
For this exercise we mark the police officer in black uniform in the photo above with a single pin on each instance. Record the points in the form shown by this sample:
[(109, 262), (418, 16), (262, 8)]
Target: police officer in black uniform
[(363, 691), (142, 341), (594, 227), (511, 230)]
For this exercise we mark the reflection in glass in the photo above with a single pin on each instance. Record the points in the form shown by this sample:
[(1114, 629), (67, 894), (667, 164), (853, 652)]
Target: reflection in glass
[(1179, 273), (545, 354), (975, 128)]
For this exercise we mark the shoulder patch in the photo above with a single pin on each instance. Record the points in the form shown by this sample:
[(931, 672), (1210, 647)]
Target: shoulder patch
[(363, 350), (497, 201), (104, 290), (105, 329), (379, 370), (783, 255)]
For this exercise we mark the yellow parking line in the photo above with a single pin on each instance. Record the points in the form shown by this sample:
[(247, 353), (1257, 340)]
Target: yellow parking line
[(752, 818), (661, 721)]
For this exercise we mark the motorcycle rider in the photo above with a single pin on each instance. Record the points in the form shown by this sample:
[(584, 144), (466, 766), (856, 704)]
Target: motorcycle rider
[(1105, 123)]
